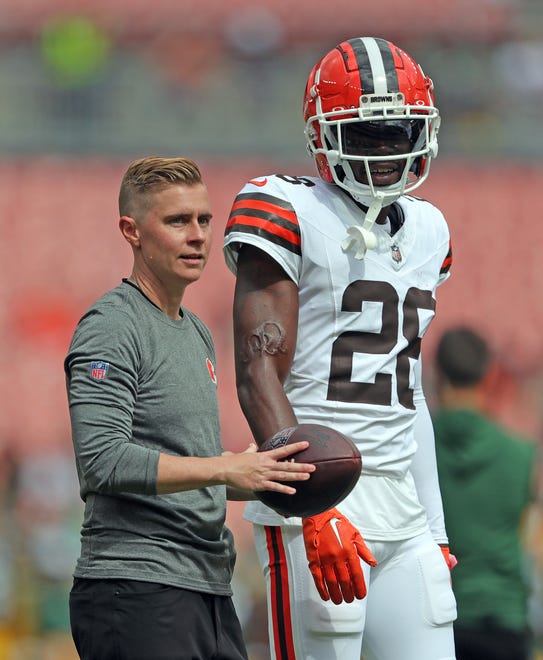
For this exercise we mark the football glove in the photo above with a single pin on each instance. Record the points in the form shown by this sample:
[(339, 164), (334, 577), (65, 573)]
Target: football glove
[(334, 548), (450, 559)]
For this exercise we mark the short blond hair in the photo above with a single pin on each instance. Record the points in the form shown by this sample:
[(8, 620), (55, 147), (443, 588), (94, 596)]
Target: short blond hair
[(154, 173)]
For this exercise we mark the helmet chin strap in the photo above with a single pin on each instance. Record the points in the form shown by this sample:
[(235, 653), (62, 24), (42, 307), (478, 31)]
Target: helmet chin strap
[(360, 237)]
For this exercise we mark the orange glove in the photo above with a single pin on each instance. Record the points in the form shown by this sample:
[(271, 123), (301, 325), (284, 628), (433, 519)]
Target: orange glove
[(334, 548), (450, 559)]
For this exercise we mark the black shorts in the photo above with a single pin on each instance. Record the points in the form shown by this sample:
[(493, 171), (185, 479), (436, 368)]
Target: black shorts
[(132, 620)]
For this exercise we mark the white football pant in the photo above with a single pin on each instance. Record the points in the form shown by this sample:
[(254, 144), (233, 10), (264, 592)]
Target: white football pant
[(408, 613)]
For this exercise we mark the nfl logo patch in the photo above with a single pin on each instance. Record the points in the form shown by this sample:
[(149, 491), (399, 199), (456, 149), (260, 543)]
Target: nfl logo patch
[(98, 370)]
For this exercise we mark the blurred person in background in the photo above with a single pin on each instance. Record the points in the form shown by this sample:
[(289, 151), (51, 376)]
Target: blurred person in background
[(153, 579), (336, 280), (488, 480)]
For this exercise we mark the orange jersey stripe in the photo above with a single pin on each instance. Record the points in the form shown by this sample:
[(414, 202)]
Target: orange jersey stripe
[(267, 207), (268, 226), (447, 262), (269, 217)]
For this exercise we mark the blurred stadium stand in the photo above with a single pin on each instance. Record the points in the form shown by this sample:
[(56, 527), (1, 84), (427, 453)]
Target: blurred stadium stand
[(217, 77), (82, 94), (489, 19)]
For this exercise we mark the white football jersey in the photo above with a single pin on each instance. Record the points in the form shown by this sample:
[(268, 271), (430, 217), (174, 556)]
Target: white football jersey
[(359, 328)]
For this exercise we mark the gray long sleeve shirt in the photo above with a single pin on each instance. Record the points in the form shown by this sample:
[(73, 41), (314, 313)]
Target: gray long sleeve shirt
[(140, 383)]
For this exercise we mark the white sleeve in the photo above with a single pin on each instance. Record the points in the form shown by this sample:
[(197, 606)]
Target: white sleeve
[(424, 464)]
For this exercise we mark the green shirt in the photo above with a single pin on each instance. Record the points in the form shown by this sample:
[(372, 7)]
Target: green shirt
[(486, 484), (140, 383)]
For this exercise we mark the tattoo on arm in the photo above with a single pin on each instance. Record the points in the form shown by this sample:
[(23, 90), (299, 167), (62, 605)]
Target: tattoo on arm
[(268, 338)]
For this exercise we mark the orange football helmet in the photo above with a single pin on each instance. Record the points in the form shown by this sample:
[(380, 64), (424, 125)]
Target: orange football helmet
[(364, 94)]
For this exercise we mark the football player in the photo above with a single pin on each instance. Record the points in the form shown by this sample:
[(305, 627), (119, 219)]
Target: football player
[(336, 283)]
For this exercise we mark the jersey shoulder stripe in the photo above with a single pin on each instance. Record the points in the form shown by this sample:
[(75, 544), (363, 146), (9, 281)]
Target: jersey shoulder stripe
[(447, 262), (269, 217)]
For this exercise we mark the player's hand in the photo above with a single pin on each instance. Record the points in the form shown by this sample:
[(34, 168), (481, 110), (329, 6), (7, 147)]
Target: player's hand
[(450, 559), (334, 548), (252, 470)]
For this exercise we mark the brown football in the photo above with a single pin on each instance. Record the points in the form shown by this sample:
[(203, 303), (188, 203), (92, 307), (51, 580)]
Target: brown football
[(338, 463)]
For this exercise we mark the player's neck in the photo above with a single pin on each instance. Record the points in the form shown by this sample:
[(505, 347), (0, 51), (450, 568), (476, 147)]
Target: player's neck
[(383, 213)]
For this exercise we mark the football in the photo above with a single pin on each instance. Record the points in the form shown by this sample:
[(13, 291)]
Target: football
[(338, 463)]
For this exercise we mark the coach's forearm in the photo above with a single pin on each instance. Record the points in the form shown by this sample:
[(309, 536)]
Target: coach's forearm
[(179, 473)]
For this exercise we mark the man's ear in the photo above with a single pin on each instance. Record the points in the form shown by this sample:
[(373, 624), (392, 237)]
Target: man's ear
[(129, 230)]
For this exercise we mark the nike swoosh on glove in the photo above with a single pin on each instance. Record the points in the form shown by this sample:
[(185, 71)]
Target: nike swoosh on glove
[(334, 548)]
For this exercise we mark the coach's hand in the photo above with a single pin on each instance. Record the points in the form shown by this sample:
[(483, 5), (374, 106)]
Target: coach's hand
[(334, 548)]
